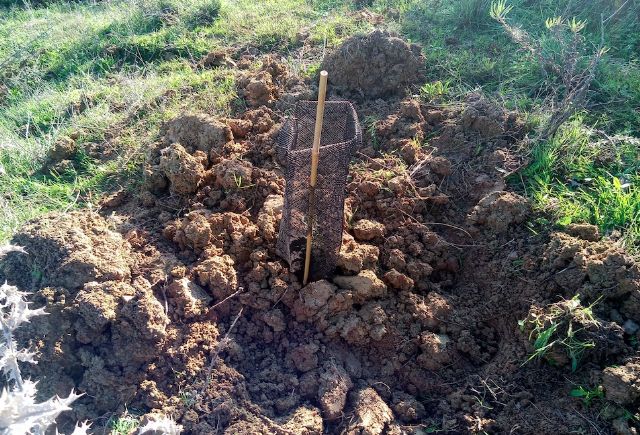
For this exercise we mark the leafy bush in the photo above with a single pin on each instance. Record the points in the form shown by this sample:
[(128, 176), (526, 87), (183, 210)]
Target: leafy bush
[(435, 90)]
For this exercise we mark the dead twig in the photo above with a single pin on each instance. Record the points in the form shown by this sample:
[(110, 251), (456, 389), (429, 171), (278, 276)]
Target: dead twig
[(218, 348), (227, 298), (439, 223), (615, 14), (593, 425)]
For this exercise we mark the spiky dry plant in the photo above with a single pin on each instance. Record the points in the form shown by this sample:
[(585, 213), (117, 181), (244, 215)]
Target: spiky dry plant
[(575, 69), (161, 424), (5, 249), (19, 411)]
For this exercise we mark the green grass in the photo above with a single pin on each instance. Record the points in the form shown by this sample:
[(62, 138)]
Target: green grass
[(123, 425), (470, 50), (587, 394), (583, 175), (562, 326), (111, 72)]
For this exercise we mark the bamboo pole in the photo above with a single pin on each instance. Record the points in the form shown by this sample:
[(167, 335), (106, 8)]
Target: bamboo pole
[(315, 155)]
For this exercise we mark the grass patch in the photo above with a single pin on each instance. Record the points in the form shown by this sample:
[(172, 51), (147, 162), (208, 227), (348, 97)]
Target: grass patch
[(124, 424), (465, 47), (109, 73), (584, 175)]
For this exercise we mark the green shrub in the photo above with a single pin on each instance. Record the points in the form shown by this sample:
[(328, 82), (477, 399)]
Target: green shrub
[(206, 13)]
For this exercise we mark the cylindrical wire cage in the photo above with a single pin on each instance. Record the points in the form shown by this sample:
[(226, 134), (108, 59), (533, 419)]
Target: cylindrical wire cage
[(341, 136)]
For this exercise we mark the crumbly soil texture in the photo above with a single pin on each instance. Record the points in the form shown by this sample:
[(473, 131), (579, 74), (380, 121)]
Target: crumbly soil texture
[(172, 298)]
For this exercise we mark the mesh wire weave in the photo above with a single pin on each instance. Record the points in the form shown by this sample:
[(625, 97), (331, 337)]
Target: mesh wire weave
[(341, 137)]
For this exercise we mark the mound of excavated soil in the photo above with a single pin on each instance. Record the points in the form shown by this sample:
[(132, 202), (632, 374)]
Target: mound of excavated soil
[(104, 325), (190, 311), (272, 85), (377, 65), (67, 251)]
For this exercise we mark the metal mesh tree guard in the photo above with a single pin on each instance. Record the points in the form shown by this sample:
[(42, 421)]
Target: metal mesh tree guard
[(341, 137)]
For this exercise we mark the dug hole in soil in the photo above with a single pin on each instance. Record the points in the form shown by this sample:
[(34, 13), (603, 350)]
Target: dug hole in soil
[(172, 299)]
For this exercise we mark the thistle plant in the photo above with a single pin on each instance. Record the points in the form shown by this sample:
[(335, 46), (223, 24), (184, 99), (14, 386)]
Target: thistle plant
[(19, 412), (161, 424), (5, 249)]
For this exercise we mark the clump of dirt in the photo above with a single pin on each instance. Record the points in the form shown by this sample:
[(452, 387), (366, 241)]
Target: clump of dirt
[(377, 65), (596, 270), (418, 327), (233, 173), (368, 230), (59, 158), (354, 257), (334, 384), (567, 332), (498, 210), (272, 84), (622, 383), (63, 149), (199, 132), (218, 273), (212, 158), (184, 171), (372, 415), (67, 251), (404, 131), (584, 231), (216, 59)]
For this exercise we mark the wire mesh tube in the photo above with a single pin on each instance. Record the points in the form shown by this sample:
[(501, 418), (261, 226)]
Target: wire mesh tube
[(341, 137)]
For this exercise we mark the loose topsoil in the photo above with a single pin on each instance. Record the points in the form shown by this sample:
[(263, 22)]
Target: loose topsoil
[(172, 298)]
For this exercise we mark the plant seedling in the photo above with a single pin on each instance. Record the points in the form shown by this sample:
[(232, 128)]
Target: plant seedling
[(554, 327), (587, 394)]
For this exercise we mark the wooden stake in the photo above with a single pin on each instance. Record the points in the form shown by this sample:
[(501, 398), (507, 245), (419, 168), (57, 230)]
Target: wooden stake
[(315, 155)]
